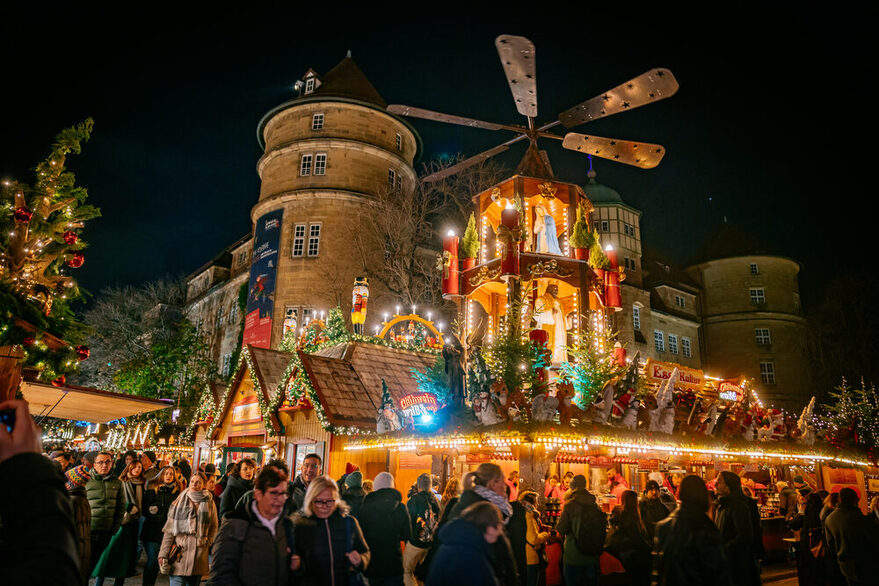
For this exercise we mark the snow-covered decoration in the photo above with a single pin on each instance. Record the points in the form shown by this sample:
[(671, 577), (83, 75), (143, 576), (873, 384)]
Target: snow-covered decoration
[(601, 409), (806, 430), (710, 419), (662, 418), (630, 419), (485, 409), (543, 408)]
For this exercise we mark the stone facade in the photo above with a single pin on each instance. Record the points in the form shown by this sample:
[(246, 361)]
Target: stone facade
[(327, 152), (753, 325)]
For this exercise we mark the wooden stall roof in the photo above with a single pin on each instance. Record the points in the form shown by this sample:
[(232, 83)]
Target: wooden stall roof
[(269, 366), (348, 378), (86, 404)]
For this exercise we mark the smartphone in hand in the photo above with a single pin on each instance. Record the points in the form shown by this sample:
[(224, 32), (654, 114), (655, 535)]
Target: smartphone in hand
[(7, 418)]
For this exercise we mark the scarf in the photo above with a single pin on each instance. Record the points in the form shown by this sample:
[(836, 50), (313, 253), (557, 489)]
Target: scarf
[(190, 514), (497, 500)]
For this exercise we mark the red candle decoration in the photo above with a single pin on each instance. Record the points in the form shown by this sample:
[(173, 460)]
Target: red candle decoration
[(612, 295), (509, 247), (22, 215), (82, 352), (450, 264), (76, 260), (70, 237), (619, 354)]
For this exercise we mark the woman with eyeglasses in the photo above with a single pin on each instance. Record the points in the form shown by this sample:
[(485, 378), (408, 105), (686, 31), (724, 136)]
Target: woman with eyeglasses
[(329, 546), (255, 540)]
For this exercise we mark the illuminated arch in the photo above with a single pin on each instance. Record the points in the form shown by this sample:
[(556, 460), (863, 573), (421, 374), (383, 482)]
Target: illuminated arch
[(411, 317)]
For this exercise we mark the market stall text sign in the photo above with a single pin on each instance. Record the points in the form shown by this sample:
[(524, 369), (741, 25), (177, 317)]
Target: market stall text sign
[(246, 411), (730, 391), (687, 377), (419, 404)]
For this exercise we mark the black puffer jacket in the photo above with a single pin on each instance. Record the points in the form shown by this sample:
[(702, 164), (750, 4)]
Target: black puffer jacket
[(385, 523), (321, 545), (652, 512), (500, 553), (235, 489), (463, 558), (246, 553), (688, 551), (354, 497), (296, 494), (155, 511)]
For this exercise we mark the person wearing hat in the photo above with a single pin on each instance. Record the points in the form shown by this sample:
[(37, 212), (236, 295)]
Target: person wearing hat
[(733, 519), (354, 493), (384, 521), (584, 527), (61, 458), (652, 509), (76, 479)]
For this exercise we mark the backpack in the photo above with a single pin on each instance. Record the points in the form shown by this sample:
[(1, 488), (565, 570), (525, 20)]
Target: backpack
[(587, 538)]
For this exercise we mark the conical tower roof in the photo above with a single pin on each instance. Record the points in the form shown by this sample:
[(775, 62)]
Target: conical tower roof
[(346, 80)]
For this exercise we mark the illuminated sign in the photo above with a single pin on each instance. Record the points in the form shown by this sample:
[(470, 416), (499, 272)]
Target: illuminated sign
[(730, 391), (419, 404), (660, 372), (246, 411)]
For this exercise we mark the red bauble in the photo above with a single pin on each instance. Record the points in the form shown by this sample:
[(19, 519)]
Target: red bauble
[(59, 382), (82, 352), (22, 214), (70, 237), (76, 260), (28, 341)]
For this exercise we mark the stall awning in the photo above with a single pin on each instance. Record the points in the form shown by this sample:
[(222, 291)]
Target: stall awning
[(86, 404)]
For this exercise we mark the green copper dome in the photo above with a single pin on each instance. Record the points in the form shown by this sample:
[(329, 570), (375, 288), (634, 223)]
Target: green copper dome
[(598, 193)]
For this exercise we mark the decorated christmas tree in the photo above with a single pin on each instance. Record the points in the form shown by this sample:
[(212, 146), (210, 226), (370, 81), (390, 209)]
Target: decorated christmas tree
[(40, 226), (470, 240), (851, 419), (594, 363), (337, 329)]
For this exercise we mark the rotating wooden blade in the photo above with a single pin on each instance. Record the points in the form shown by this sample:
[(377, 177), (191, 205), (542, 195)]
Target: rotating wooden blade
[(657, 84), (449, 171), (518, 60), (450, 118), (638, 154)]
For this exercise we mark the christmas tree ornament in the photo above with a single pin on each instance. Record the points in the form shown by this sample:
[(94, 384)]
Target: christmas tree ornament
[(82, 352), (70, 237), (60, 381), (76, 260), (28, 341), (22, 215)]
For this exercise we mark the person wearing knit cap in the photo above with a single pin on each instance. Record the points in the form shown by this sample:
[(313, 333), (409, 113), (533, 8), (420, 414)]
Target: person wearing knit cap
[(76, 479), (652, 509), (354, 492), (584, 527), (385, 524), (424, 514)]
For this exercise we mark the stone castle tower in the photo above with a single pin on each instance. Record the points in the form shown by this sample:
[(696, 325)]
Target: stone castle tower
[(327, 152)]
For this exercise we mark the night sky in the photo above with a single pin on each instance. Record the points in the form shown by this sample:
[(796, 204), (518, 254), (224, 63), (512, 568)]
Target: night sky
[(771, 128)]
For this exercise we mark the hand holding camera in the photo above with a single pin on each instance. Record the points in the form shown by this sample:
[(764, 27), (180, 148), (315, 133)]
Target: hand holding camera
[(24, 436)]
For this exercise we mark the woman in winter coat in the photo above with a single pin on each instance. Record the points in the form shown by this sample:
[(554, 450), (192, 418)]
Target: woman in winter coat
[(157, 499), (239, 482), (76, 479), (120, 557), (329, 544), (192, 526), (628, 541), (810, 570), (463, 557), (534, 538)]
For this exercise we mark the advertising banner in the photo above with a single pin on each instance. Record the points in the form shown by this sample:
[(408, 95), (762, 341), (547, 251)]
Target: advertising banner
[(261, 290)]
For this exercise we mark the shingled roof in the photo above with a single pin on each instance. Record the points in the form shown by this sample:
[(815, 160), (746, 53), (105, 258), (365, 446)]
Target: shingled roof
[(269, 366), (347, 379)]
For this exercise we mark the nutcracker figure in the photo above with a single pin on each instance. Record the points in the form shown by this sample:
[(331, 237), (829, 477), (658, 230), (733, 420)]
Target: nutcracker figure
[(359, 296)]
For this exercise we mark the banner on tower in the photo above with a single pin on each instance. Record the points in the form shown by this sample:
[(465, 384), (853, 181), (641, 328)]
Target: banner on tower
[(263, 271)]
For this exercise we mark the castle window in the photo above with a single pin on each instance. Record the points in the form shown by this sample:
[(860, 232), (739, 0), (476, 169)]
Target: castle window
[(636, 317), (399, 183), (658, 341), (628, 229), (305, 165), (758, 296), (763, 336), (680, 301), (219, 316), (309, 85), (755, 270), (605, 226), (673, 343), (299, 240), (227, 364), (317, 121), (686, 350), (320, 164), (767, 372), (392, 178), (313, 239), (398, 141)]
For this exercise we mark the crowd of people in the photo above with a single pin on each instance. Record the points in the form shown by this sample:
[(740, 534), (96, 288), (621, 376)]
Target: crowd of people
[(71, 517)]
